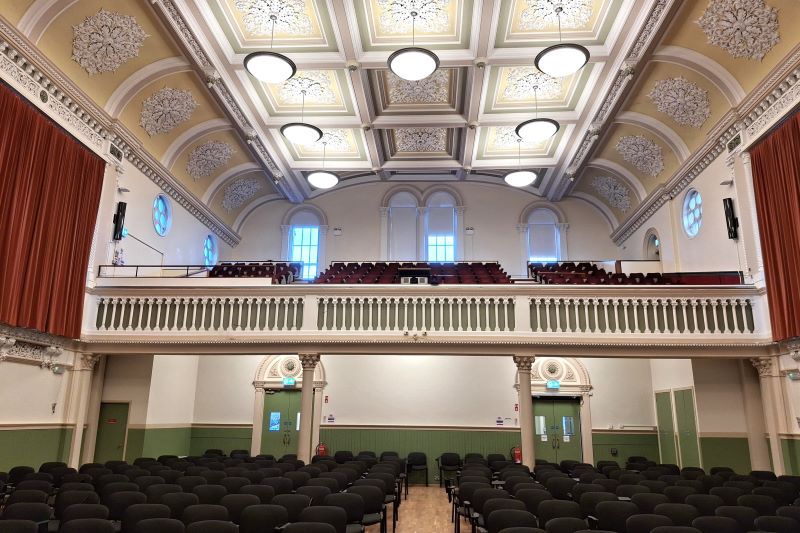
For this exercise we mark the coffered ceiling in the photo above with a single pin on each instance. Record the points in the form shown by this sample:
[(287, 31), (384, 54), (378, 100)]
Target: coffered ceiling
[(171, 72)]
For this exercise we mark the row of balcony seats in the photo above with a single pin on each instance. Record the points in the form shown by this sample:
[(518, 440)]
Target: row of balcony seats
[(643, 497), (569, 273), (208, 494), (279, 272), (390, 272)]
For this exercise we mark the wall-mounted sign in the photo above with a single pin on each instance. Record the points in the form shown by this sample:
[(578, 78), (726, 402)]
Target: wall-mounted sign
[(289, 382), (553, 384), (275, 421)]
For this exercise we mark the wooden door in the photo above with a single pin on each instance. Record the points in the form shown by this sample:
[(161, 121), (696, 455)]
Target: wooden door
[(112, 428)]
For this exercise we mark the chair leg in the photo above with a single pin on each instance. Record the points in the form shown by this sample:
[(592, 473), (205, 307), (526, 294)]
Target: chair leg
[(440, 476), (426, 476)]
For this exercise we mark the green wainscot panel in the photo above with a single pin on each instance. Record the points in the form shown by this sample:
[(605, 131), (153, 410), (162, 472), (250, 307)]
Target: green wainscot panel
[(223, 438), (626, 445), (432, 442), (726, 451), (32, 447), (166, 441), (134, 444), (791, 455)]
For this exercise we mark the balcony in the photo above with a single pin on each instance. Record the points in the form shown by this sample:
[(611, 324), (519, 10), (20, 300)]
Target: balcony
[(123, 312)]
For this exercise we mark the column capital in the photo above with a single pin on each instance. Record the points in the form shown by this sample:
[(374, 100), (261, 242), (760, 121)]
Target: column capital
[(86, 361), (522, 228), (791, 347), (524, 362), (308, 360), (383, 211), (460, 210), (745, 157), (562, 226), (285, 229), (764, 365)]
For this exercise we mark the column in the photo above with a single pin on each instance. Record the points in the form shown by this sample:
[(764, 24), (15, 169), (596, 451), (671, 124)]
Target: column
[(258, 419), (524, 364), (562, 240), (772, 401), (384, 215), (318, 394), (522, 231), (285, 229), (754, 419), (93, 410), (460, 235), (79, 402), (422, 230), (322, 250), (309, 362), (748, 218), (586, 424)]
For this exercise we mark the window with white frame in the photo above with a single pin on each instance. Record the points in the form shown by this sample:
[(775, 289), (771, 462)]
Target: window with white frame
[(440, 228), (403, 227), (692, 213), (304, 243), (162, 215), (544, 244), (210, 251)]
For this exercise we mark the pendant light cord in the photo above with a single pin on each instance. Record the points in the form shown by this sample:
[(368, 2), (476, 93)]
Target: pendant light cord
[(413, 28), (324, 150), (558, 16), (273, 18), (519, 152), (535, 102), (303, 105)]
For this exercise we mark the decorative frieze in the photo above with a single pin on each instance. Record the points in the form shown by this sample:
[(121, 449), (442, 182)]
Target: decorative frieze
[(421, 139), (12, 349)]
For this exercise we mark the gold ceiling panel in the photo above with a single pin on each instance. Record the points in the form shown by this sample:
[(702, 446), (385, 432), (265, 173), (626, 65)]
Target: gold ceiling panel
[(204, 160), (238, 193), (13, 10), (515, 89), (420, 143), (337, 144), (441, 92), (501, 143), (325, 92)]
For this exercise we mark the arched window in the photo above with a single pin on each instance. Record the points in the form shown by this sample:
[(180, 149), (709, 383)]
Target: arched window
[(304, 242), (544, 243), (210, 251), (440, 228), (652, 247), (403, 227)]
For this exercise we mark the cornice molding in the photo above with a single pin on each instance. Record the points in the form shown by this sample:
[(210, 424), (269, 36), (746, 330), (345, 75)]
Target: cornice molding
[(37, 77)]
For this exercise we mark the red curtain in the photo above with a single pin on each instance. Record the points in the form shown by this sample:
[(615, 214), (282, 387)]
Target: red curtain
[(50, 188), (776, 178)]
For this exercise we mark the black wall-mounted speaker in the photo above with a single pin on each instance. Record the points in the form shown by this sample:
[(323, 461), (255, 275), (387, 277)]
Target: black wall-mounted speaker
[(730, 219), (119, 220)]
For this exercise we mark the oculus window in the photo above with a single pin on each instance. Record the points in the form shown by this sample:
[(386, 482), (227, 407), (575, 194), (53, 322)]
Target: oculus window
[(692, 213)]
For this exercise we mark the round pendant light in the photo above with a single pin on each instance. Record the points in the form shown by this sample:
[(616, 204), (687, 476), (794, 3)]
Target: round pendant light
[(520, 178), (301, 132), (537, 129), (413, 63), (322, 179), (561, 59), (270, 67)]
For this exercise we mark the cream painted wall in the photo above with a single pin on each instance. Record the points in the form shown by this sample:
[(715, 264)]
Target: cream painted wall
[(28, 392), (718, 393), (671, 374), (356, 211), (173, 385), (622, 393), (225, 389), (791, 391), (127, 379)]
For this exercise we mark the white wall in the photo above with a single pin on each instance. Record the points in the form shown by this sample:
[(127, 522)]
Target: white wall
[(28, 392), (173, 384), (493, 211), (718, 393), (622, 393), (419, 390), (225, 390), (128, 380), (671, 374)]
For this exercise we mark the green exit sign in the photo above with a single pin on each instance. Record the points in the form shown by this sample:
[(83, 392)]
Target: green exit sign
[(289, 382), (553, 384)]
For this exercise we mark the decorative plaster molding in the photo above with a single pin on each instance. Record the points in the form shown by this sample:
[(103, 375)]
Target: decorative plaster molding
[(642, 153), (541, 14), (435, 89), (165, 109), (523, 82), (34, 337), (764, 365), (86, 361), (285, 16), (309, 360), (20, 351), (208, 157), (524, 362), (421, 139), (396, 15), (240, 191), (105, 41), (617, 194), (743, 28), (313, 85), (682, 100)]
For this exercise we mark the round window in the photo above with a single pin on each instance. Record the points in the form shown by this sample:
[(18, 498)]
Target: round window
[(162, 215), (210, 251), (692, 213)]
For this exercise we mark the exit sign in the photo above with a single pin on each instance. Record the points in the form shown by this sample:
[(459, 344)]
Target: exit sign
[(553, 384), (289, 382)]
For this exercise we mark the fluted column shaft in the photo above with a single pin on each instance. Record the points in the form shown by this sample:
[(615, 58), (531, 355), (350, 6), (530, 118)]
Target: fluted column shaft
[(309, 362), (524, 364)]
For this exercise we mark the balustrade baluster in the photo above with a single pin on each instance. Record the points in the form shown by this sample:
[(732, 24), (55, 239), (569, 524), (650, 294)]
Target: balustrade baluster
[(538, 306), (450, 304), (595, 313), (735, 311), (288, 302), (361, 314), (113, 302), (380, 313), (160, 302), (664, 307), (440, 306), (606, 323), (674, 305), (335, 323), (547, 314), (714, 305), (486, 313), (557, 308), (625, 305), (725, 304), (696, 325), (747, 309), (645, 305)]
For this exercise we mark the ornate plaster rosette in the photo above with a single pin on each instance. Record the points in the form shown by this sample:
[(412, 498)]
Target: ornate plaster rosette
[(744, 28), (421, 139), (617, 194), (165, 109), (642, 153), (315, 83), (431, 17), (523, 80), (106, 40), (240, 191), (541, 14), (289, 16), (208, 157), (431, 90), (683, 101), (506, 137), (335, 139)]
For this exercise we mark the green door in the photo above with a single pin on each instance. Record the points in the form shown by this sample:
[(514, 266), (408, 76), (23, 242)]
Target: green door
[(557, 429), (112, 428), (281, 423), (687, 427), (666, 429)]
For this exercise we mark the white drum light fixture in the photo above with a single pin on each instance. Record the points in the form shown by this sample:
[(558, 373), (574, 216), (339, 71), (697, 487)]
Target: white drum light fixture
[(300, 132), (561, 59), (520, 178), (270, 67), (322, 179), (537, 129), (413, 63)]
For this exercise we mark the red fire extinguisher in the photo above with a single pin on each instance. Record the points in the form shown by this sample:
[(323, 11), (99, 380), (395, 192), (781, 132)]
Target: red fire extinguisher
[(322, 449), (516, 454)]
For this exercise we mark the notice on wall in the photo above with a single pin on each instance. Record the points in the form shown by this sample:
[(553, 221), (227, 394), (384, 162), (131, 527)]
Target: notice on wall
[(544, 438), (567, 438)]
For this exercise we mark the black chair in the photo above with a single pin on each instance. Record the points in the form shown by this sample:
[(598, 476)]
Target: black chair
[(745, 516), (67, 498), (613, 515), (524, 529), (716, 524), (353, 505), (681, 514), (565, 525), (644, 523), (309, 527), (210, 494), (550, 509), (505, 519), (729, 495), (155, 492), (763, 505), (417, 462), (265, 493), (678, 494), (447, 462), (18, 473), (789, 512), (647, 501), (326, 514), (160, 525), (212, 526), (141, 511), (87, 525), (178, 501), (34, 511), (330, 483), (27, 496), (236, 503), (281, 485), (777, 524), (706, 504), (293, 503), (18, 526), (188, 483), (204, 512), (374, 508), (560, 487), (533, 498), (84, 510), (261, 518), (628, 491), (675, 529), (589, 501)]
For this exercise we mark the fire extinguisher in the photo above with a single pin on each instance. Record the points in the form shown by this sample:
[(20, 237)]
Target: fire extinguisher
[(516, 454), (322, 449)]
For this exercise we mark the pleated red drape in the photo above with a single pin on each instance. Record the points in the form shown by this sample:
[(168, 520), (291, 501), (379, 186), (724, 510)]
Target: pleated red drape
[(776, 178), (50, 188)]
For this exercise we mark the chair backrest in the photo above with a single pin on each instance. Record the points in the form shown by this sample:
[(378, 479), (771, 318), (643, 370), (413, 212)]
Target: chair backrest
[(613, 515), (646, 502), (293, 503), (550, 509), (212, 526), (373, 497), (66, 498), (503, 519), (118, 502), (140, 511), (763, 505), (160, 525), (178, 501), (309, 527), (326, 514), (449, 459), (18, 526), (716, 524), (481, 496), (644, 523), (210, 494), (678, 494), (84, 510), (236, 503), (203, 512), (589, 500), (87, 525), (681, 514), (265, 493), (532, 498), (729, 495), (745, 516), (316, 493), (27, 496)]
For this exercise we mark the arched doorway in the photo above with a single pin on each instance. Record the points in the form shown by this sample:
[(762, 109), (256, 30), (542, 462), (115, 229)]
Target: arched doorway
[(561, 391), (276, 407)]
